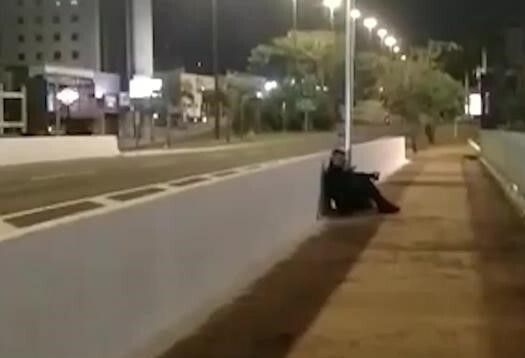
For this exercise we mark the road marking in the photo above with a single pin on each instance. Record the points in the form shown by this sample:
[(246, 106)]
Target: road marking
[(6, 229), (7, 232), (61, 176)]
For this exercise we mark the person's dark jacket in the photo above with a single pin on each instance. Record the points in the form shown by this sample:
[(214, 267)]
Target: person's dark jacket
[(345, 189)]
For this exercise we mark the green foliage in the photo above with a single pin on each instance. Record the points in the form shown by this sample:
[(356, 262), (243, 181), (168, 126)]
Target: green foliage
[(414, 89), (418, 88), (307, 61)]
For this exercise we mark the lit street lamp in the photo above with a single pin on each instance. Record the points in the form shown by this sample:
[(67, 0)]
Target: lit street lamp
[(355, 14), (397, 49), (351, 16), (332, 5), (370, 23), (403, 58), (382, 33), (295, 14), (390, 41)]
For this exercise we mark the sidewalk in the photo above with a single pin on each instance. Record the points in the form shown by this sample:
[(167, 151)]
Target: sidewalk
[(446, 278)]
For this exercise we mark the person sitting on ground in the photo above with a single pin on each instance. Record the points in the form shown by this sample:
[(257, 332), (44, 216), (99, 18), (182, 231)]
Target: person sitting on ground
[(351, 191)]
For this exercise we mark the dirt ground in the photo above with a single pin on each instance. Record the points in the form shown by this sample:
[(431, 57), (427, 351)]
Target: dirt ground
[(446, 278)]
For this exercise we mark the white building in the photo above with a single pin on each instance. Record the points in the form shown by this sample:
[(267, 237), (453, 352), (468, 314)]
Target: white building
[(103, 35)]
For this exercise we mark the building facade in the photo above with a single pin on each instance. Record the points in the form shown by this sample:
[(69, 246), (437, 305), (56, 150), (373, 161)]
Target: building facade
[(37, 32), (101, 35)]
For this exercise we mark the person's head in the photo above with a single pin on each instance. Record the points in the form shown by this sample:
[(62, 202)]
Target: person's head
[(338, 159)]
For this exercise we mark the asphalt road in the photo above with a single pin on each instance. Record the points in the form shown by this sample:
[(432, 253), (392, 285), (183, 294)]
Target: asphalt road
[(32, 186)]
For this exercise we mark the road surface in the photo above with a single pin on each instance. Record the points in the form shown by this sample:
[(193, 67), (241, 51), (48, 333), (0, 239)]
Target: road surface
[(32, 186)]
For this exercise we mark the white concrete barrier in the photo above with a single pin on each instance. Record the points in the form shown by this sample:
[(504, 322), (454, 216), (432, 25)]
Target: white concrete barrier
[(385, 155), (128, 283), (25, 150), (504, 152)]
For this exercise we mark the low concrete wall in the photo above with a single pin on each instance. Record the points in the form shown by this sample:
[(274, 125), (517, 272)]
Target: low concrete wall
[(14, 151), (505, 152), (128, 283), (385, 155)]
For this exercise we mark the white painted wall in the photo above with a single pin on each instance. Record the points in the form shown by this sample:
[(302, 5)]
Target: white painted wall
[(505, 152), (385, 155), (25, 150), (127, 283)]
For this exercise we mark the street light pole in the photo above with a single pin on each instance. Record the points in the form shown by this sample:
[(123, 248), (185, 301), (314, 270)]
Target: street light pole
[(215, 49), (350, 29), (295, 12), (332, 19)]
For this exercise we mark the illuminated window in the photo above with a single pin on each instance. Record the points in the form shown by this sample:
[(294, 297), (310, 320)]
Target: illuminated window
[(74, 2)]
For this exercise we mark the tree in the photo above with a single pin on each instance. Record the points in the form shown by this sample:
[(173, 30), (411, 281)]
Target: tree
[(418, 89), (308, 62)]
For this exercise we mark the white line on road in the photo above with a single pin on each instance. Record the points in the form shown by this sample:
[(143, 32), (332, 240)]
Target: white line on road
[(7, 232), (61, 176)]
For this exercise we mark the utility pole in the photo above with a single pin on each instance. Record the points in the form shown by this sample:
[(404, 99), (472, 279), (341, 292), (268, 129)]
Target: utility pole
[(295, 15), (215, 49), (350, 29)]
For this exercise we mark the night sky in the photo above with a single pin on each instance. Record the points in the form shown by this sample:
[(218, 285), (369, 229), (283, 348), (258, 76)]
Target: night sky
[(183, 27)]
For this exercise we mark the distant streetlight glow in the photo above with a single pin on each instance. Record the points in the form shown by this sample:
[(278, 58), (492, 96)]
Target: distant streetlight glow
[(370, 23), (355, 14), (397, 49), (332, 5), (390, 41), (382, 33), (270, 86), (403, 58)]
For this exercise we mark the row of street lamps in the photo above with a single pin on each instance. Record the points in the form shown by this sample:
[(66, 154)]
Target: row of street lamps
[(370, 23), (352, 15)]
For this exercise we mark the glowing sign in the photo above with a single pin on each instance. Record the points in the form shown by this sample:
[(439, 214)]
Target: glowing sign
[(144, 87)]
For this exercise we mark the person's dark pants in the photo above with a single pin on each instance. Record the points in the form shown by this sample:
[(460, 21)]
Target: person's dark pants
[(361, 196)]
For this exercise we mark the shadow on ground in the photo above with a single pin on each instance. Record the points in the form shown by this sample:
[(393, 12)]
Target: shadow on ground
[(279, 308), (501, 244)]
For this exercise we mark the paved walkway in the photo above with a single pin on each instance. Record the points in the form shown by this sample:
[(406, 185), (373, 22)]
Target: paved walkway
[(446, 278)]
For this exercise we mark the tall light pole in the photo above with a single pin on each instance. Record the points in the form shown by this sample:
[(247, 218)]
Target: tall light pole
[(295, 14), (215, 50), (351, 16), (332, 5)]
